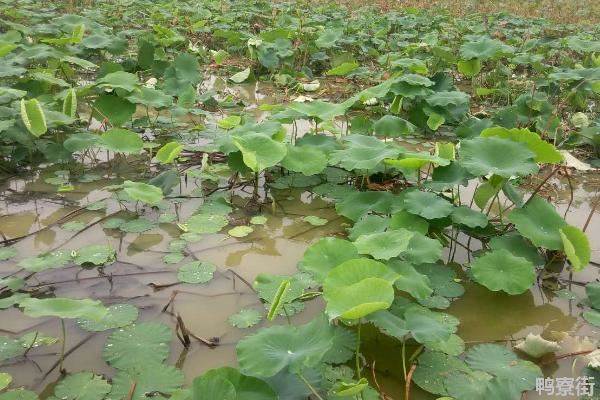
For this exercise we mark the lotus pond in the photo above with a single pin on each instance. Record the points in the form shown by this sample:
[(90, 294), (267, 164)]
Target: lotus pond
[(227, 200)]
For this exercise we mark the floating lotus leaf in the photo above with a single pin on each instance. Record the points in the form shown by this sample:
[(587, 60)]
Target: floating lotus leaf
[(117, 316), (592, 317), (245, 387), (497, 360), (427, 205), (7, 253), (501, 270), (206, 223), (145, 377), (384, 245), (73, 226), (307, 160), (544, 152), (137, 225), (576, 245), (196, 272), (314, 220), (357, 288), (470, 385), (138, 345), (245, 318), (469, 217), (95, 254), (55, 259), (281, 348), (258, 220), (452, 346), (18, 394), (173, 258), (259, 151), (536, 346), (593, 294), (63, 308), (539, 222), (326, 254), (433, 368), (82, 386), (10, 348), (121, 141), (362, 152), (240, 231), (484, 156)]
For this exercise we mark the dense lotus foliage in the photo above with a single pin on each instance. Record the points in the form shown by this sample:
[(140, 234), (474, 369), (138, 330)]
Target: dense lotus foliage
[(419, 129)]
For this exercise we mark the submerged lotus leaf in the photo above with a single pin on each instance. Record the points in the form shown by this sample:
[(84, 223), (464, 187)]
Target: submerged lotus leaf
[(121, 141), (196, 272), (143, 192), (82, 386), (544, 152), (539, 222), (96, 255), (226, 381), (259, 151), (206, 223), (484, 156), (307, 160), (7, 253), (73, 226), (576, 245), (536, 346), (432, 369), (138, 345), (362, 152), (245, 318), (499, 361), (501, 270), (144, 378), (469, 217), (282, 348), (357, 288), (427, 205), (326, 254), (384, 245), (117, 316), (63, 308)]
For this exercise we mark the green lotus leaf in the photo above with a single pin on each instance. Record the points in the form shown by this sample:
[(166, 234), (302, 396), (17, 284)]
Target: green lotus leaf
[(229, 122), (422, 249), (446, 177), (196, 272), (117, 316), (241, 76), (240, 231), (357, 288), (95, 254), (576, 245), (328, 38), (469, 217), (55, 259), (427, 205), (245, 318), (362, 152), (33, 117), (484, 156), (145, 377), (443, 99), (82, 386), (390, 126), (73, 226), (259, 151), (484, 48), (137, 225), (70, 103), (63, 308), (245, 387), (368, 224), (119, 80), (138, 345), (384, 245), (342, 69), (469, 68), (319, 109), (169, 152), (173, 258), (518, 246), (539, 222), (358, 204), (544, 152), (502, 389), (443, 280), (501, 270), (389, 323), (5, 380), (410, 280), (258, 220), (429, 326), (206, 223), (121, 141), (470, 385), (304, 159), (433, 368), (143, 192), (592, 317), (7, 253), (282, 348), (497, 360), (416, 160), (215, 387), (406, 220), (452, 346), (593, 294), (151, 98), (81, 141), (19, 394), (114, 108), (314, 220), (10, 348), (326, 254)]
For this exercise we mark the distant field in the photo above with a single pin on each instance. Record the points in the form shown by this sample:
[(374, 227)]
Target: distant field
[(565, 11)]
